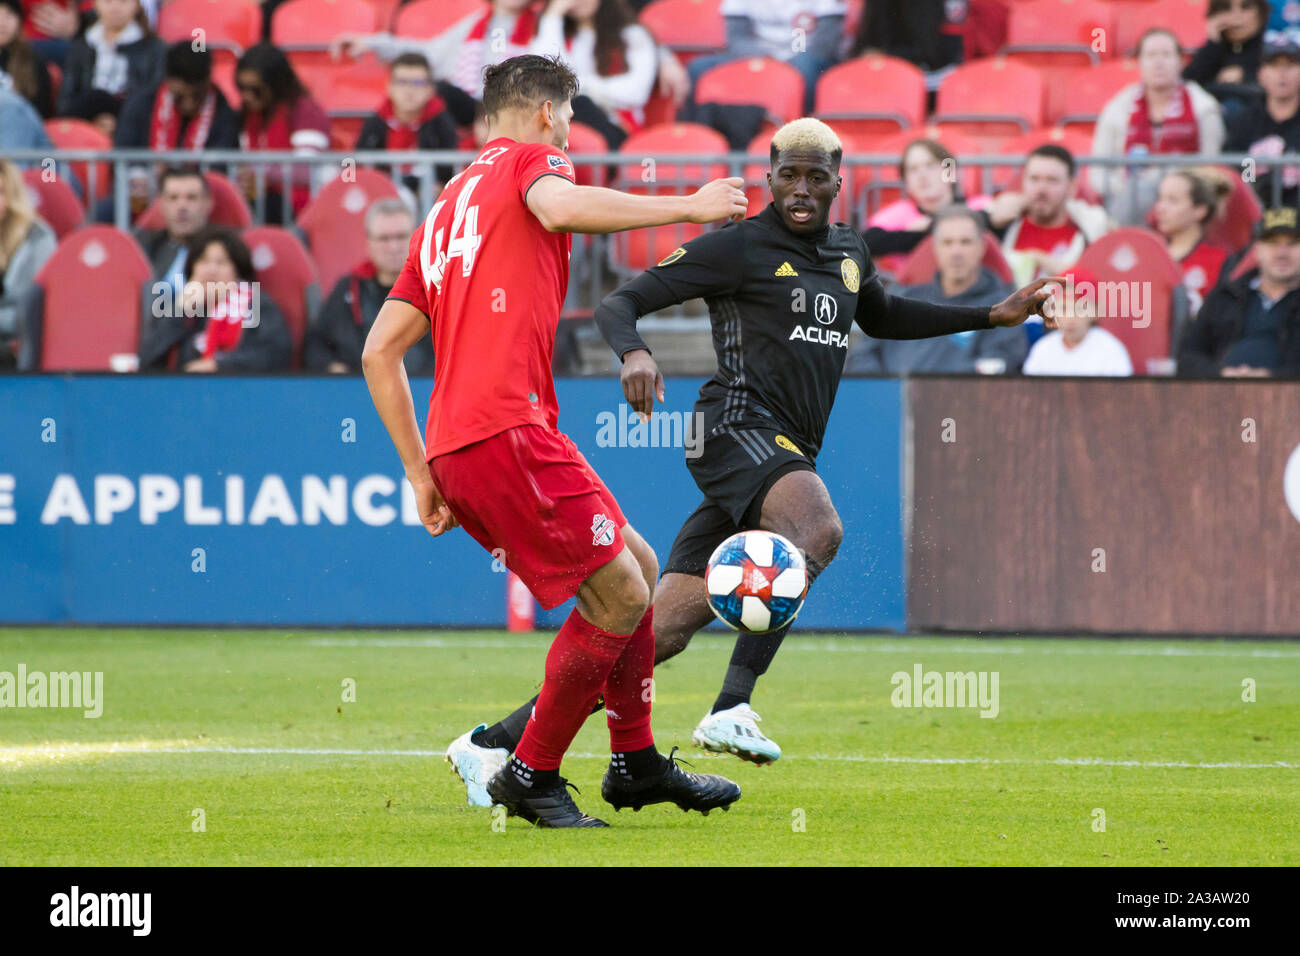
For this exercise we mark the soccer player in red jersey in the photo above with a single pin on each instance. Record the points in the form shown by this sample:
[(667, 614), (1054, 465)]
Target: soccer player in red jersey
[(487, 273)]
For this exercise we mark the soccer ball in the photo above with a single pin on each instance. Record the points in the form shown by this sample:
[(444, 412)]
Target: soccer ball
[(756, 581)]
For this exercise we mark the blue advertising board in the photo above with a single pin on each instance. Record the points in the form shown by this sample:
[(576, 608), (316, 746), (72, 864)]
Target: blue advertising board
[(280, 501)]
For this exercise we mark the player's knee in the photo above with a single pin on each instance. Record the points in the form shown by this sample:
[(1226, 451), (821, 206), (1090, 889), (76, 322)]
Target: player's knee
[(629, 604), (824, 541)]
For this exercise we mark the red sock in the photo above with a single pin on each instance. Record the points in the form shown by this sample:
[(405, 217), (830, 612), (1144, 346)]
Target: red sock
[(577, 667), (629, 689)]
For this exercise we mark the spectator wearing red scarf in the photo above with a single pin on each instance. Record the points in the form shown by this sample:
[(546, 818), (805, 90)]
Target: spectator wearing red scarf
[(277, 114), (1159, 114), (223, 321), (413, 116), (185, 111)]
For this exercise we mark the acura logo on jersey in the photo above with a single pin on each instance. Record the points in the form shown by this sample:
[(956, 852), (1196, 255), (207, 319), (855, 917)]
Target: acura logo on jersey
[(825, 309)]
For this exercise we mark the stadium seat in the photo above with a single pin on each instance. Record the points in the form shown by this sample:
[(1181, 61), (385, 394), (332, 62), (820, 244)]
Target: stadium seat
[(687, 27), (1059, 32), (870, 94), (1241, 210), (428, 18), (991, 100), (1184, 18), (345, 86), (584, 139), (286, 271), (921, 265), (229, 207), (223, 77), (1248, 262), (234, 22), (1079, 94), (651, 173), (385, 11), (304, 28), (55, 202), (334, 222), (758, 80), (78, 134), (90, 301), (1138, 258)]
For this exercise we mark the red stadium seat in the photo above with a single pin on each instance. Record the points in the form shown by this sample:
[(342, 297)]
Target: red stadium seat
[(1059, 32), (91, 308), (334, 222), (345, 86), (55, 202), (229, 207), (1138, 258), (650, 172), (78, 134), (385, 11), (870, 94), (686, 26), (304, 28), (1184, 18), (223, 77), (234, 22), (759, 80), (991, 100), (921, 265), (286, 271), (584, 139), (428, 18), (1248, 262), (1079, 96)]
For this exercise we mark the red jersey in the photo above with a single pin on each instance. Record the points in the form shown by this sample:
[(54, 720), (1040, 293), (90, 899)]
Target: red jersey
[(1201, 269), (491, 280), (1054, 240)]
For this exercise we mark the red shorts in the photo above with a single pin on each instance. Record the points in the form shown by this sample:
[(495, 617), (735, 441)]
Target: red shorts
[(529, 492)]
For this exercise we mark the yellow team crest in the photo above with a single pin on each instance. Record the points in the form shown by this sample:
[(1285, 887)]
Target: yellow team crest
[(673, 256), (849, 270), (787, 444)]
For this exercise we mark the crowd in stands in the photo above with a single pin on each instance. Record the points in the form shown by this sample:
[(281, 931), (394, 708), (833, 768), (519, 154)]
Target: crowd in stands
[(1089, 91)]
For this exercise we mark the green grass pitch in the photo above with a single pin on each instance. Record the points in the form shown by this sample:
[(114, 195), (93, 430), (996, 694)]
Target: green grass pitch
[(1151, 739)]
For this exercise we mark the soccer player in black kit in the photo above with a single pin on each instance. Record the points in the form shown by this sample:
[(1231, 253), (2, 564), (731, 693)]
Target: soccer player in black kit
[(782, 288)]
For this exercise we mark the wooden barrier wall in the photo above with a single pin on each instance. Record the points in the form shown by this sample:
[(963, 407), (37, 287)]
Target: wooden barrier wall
[(1019, 492)]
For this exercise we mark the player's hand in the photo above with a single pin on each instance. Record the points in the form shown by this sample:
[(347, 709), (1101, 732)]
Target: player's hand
[(434, 513), (1034, 299), (720, 199), (642, 382)]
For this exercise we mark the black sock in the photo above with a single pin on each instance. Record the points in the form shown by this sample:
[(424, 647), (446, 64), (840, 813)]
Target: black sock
[(535, 779), (510, 730), (638, 763), (749, 661)]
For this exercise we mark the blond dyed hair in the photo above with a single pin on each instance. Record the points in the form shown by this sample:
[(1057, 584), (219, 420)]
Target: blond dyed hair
[(807, 133)]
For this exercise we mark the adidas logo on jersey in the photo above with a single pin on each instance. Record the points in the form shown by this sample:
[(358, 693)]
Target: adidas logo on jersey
[(785, 270)]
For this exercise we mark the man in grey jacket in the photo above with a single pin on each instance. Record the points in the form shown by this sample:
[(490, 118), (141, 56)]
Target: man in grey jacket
[(961, 279)]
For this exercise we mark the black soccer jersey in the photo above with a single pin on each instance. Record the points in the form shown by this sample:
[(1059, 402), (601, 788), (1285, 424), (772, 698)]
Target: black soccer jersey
[(780, 305)]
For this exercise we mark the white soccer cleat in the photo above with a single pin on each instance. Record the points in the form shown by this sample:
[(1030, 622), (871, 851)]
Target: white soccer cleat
[(735, 731), (476, 765)]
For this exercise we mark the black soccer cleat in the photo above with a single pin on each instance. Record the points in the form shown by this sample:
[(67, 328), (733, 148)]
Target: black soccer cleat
[(551, 807), (690, 791)]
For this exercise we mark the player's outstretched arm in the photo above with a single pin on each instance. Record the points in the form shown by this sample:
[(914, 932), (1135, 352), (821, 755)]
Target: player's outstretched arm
[(562, 206), (885, 316), (399, 326)]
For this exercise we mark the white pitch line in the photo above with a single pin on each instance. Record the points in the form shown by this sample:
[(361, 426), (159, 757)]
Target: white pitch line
[(35, 751), (866, 645)]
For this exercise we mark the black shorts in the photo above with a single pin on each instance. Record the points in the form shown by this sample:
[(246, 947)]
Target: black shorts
[(737, 469)]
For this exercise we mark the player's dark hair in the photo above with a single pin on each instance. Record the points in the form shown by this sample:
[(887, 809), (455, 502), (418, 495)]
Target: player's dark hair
[(275, 70), (183, 172), (1053, 151), (412, 59), (229, 240), (526, 82), (187, 64)]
